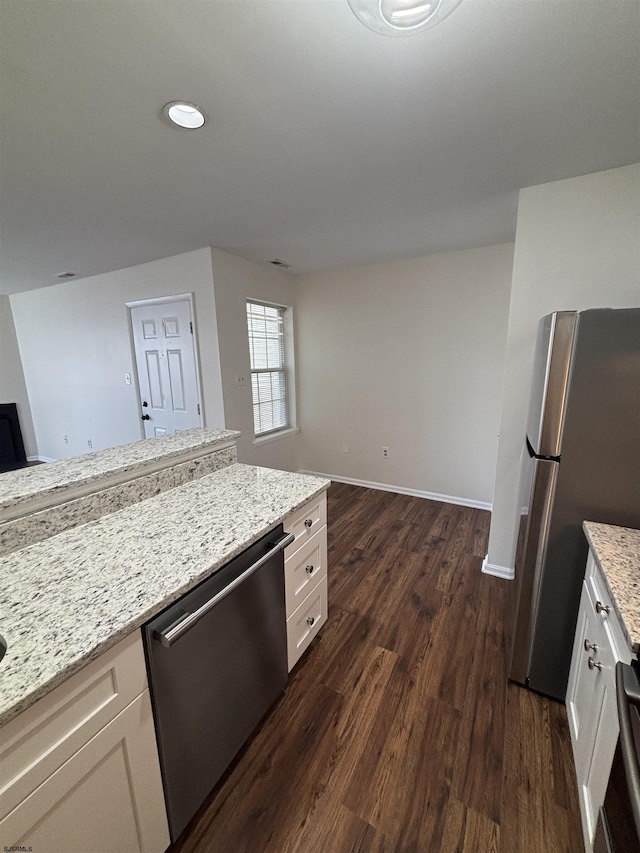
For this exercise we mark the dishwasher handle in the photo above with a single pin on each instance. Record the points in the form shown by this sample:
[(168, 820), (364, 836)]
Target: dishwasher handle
[(173, 632), (628, 695)]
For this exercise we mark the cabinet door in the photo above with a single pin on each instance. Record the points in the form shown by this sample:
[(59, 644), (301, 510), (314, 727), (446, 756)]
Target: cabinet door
[(603, 739), (584, 684), (41, 739), (106, 798)]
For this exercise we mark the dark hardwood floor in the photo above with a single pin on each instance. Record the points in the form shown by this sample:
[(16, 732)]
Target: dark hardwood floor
[(398, 730)]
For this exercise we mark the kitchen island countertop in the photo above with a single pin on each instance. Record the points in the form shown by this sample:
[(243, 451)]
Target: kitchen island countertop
[(31, 489), (617, 552), (66, 600)]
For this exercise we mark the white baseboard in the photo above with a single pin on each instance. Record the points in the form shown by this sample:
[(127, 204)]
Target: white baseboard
[(497, 571), (40, 459), (416, 493)]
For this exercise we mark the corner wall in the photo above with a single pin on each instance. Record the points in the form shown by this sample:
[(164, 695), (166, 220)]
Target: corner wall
[(75, 345), (12, 385), (407, 355), (577, 246), (235, 280)]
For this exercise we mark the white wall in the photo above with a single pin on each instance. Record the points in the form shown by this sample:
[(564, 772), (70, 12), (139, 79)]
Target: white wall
[(407, 355), (75, 346), (12, 385), (236, 280), (577, 246)]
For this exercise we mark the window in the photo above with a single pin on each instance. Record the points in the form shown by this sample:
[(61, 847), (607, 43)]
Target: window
[(269, 373)]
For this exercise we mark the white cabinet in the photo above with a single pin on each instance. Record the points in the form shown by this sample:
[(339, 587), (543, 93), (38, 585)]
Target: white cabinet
[(79, 769), (305, 574), (591, 695)]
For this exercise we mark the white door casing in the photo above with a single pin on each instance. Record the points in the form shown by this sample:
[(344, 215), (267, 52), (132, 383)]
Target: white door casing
[(165, 353)]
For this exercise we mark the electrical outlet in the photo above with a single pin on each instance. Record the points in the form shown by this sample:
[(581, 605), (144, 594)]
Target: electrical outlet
[(345, 448), (127, 378), (241, 380), (385, 452), (89, 443), (65, 438)]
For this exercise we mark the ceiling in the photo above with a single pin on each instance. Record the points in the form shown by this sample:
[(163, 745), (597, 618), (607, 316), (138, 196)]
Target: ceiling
[(327, 145)]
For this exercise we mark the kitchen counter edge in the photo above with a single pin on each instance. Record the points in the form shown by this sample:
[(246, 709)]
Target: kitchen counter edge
[(617, 553)]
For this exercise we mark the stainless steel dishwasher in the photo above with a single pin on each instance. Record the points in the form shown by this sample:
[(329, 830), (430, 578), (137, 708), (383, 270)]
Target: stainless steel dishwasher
[(217, 660)]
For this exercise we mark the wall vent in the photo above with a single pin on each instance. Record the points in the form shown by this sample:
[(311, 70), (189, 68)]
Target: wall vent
[(66, 275), (278, 263)]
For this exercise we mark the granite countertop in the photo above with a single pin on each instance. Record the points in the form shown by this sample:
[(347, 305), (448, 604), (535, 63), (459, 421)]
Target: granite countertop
[(617, 552), (66, 600), (37, 487)]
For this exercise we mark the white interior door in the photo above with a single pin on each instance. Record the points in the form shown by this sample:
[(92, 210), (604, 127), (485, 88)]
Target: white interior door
[(166, 362)]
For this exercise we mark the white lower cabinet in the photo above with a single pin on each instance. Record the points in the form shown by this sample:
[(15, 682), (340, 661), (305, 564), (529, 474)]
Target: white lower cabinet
[(305, 573), (591, 696), (71, 781), (305, 623)]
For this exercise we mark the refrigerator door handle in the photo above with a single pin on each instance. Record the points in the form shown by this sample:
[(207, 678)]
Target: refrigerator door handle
[(540, 508)]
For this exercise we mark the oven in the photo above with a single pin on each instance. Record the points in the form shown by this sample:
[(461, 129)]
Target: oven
[(618, 829)]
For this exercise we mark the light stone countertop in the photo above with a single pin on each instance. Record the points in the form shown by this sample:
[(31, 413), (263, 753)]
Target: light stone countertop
[(36, 487), (65, 601), (617, 552)]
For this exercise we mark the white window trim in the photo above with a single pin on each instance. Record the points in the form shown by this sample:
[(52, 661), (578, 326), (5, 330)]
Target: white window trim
[(290, 367), (276, 435)]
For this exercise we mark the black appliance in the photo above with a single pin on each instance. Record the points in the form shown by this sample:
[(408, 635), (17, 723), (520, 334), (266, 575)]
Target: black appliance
[(217, 660), (618, 829)]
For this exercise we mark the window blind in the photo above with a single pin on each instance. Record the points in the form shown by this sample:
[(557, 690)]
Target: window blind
[(268, 371)]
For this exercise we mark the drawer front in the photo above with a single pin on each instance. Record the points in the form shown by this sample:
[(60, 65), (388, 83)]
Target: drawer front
[(305, 522), (595, 582), (305, 623), (304, 569), (37, 742), (601, 602)]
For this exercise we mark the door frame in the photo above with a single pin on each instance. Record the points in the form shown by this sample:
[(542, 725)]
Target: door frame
[(163, 300)]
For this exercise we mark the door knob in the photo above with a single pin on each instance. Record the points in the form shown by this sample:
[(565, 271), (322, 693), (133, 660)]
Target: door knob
[(590, 647), (144, 403), (602, 608), (146, 417)]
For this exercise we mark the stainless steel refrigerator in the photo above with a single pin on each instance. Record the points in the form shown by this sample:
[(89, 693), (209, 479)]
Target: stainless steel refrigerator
[(583, 462)]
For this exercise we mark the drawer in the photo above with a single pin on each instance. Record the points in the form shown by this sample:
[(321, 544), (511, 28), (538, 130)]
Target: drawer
[(601, 600), (305, 522), (37, 742), (305, 623), (303, 570), (593, 577)]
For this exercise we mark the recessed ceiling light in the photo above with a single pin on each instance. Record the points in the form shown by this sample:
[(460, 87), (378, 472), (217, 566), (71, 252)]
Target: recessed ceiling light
[(184, 114), (401, 17)]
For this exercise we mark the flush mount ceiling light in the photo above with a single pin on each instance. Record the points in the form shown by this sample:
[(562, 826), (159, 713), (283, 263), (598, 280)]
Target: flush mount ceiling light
[(184, 114), (401, 17)]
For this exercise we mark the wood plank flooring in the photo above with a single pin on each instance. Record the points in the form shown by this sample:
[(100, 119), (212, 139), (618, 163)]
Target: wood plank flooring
[(398, 732)]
